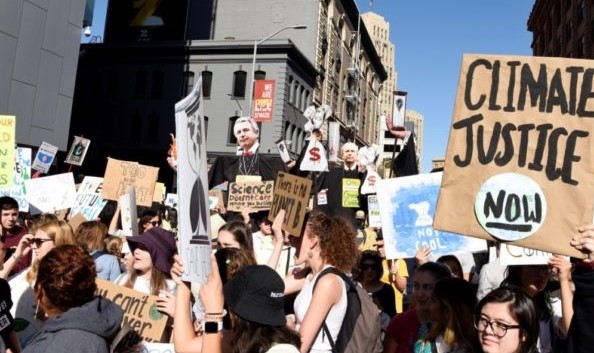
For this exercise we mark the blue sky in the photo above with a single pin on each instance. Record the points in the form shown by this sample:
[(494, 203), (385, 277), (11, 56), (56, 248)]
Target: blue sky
[(430, 37)]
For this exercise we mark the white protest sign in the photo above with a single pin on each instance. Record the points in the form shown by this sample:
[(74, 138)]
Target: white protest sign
[(128, 215), (171, 200), (517, 255), (78, 151), (333, 140), (50, 193), (407, 207), (89, 202), (44, 157), (375, 219), (192, 186), (22, 172)]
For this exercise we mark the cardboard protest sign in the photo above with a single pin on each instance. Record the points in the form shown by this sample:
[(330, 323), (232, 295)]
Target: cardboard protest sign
[(407, 206), (263, 100), (119, 175), (7, 143), (192, 186), (519, 160), (251, 196), (140, 310), (44, 157), (22, 172), (292, 195), (88, 201), (78, 151), (50, 193)]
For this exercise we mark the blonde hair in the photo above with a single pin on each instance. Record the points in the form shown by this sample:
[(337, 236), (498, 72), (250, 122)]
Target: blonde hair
[(60, 233)]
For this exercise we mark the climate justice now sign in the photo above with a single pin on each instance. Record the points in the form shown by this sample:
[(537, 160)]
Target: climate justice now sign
[(518, 165)]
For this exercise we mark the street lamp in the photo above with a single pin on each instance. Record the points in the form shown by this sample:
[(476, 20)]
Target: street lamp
[(256, 43)]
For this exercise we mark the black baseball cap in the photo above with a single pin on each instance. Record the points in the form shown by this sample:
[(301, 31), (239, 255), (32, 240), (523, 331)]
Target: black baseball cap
[(256, 294)]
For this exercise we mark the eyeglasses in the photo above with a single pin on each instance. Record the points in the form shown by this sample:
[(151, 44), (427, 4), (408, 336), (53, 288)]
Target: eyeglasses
[(498, 329), (155, 223), (38, 241), (379, 246)]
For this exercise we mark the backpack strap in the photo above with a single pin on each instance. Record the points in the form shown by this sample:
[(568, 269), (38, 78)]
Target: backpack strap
[(347, 283), (97, 254)]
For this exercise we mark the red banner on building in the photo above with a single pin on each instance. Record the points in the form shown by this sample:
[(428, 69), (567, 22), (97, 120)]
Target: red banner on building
[(263, 100)]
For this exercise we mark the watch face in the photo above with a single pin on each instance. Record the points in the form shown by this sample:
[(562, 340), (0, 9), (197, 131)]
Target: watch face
[(211, 327)]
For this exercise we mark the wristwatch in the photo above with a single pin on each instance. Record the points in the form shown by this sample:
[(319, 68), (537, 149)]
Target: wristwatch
[(213, 326)]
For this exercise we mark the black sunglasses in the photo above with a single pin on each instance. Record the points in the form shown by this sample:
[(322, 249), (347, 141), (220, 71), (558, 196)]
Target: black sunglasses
[(38, 241), (155, 223)]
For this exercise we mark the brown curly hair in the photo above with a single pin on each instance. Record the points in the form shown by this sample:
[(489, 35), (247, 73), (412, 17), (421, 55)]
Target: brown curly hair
[(338, 246), (67, 276)]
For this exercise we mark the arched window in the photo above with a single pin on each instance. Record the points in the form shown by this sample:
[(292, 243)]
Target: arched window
[(206, 83), (294, 139), (260, 75), (239, 80), (294, 98), (230, 135)]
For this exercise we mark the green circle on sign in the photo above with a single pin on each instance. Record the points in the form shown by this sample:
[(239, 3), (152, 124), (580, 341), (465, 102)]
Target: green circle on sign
[(154, 313)]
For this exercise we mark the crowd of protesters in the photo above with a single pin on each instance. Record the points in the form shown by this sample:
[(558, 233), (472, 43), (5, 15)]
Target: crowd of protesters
[(267, 290)]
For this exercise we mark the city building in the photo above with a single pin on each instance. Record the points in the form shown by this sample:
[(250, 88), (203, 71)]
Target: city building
[(379, 30), (562, 28), (39, 41), (312, 49), (437, 163)]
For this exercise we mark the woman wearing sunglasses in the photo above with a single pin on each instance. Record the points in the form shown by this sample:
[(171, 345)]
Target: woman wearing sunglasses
[(46, 237), (507, 322)]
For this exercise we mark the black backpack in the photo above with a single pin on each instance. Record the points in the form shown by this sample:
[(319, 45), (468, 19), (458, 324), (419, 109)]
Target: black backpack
[(361, 328)]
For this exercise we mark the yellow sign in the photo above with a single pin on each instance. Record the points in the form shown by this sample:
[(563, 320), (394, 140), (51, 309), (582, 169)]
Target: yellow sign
[(350, 192), (7, 144)]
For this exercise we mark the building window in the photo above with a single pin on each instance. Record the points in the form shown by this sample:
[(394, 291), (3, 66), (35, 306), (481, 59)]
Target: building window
[(569, 29), (206, 83), (290, 88), (260, 75), (581, 11), (205, 128), (294, 98), (188, 81), (157, 85), (152, 127), (140, 85), (239, 80), (230, 134), (135, 133)]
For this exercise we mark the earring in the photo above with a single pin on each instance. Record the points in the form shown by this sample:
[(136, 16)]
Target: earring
[(36, 310)]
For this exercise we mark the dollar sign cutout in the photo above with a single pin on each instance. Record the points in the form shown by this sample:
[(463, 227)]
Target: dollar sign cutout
[(314, 154)]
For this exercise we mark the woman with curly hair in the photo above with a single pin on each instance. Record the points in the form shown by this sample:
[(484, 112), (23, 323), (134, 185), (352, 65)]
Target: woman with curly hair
[(326, 242), (77, 320)]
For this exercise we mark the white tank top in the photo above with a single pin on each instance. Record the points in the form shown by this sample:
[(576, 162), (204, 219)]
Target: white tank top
[(333, 320)]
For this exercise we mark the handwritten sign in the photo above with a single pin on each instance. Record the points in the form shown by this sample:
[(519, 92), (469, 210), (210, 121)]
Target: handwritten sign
[(350, 192), (517, 255), (88, 201), (140, 310), (374, 216), (119, 175), (407, 206), (7, 143), (159, 192), (22, 172), (78, 151), (251, 196), (50, 193), (292, 195), (44, 157), (519, 152), (171, 200)]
